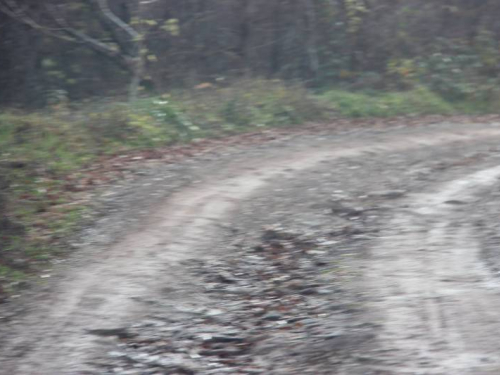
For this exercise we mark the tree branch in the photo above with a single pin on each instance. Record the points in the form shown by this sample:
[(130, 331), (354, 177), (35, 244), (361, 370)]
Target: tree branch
[(106, 11), (11, 9), (124, 42), (91, 42)]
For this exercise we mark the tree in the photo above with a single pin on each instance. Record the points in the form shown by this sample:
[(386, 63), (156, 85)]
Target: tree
[(125, 44)]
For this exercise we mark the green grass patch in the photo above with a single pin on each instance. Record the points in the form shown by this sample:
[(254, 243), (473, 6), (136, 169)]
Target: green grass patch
[(420, 101)]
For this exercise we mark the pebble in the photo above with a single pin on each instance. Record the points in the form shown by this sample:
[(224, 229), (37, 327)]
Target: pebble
[(273, 315), (389, 194)]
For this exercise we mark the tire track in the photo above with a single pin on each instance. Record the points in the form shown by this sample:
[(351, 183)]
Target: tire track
[(438, 301)]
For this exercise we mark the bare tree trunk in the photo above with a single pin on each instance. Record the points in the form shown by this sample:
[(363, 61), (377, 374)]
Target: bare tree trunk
[(312, 48), (137, 72)]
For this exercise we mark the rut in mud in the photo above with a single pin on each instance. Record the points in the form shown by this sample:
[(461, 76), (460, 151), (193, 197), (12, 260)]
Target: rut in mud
[(385, 238), (438, 299)]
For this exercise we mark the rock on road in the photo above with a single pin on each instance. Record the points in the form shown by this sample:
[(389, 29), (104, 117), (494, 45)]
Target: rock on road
[(400, 262)]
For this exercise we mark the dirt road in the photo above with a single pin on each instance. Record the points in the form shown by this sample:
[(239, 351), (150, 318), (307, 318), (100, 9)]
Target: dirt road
[(392, 231)]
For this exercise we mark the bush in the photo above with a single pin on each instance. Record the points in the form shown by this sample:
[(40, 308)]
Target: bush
[(251, 103), (460, 71)]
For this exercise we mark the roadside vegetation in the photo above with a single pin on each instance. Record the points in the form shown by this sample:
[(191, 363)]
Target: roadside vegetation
[(42, 152), (82, 81)]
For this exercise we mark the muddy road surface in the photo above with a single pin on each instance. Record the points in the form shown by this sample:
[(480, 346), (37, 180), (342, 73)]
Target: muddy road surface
[(353, 252)]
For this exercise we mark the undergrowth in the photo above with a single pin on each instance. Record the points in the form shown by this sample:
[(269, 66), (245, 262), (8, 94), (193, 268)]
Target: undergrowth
[(418, 101)]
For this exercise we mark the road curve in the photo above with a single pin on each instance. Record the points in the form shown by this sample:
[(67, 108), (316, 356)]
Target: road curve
[(438, 302)]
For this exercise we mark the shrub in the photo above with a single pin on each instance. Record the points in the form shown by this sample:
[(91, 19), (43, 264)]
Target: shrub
[(459, 71), (251, 103)]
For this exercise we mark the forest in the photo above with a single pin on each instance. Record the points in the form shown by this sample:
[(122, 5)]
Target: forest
[(76, 50)]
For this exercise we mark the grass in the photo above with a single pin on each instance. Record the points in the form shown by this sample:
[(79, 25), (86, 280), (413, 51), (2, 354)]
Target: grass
[(38, 151), (420, 101)]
